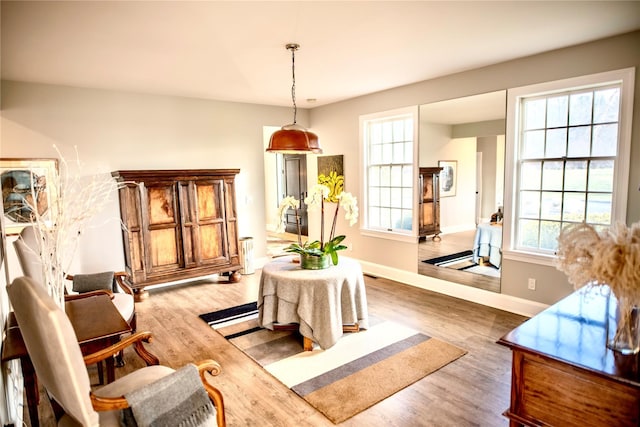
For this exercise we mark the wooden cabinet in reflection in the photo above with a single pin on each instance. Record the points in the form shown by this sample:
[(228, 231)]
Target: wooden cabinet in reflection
[(429, 216), (178, 224)]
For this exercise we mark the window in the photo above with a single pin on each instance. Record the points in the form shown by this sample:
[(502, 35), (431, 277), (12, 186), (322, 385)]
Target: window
[(388, 150), (570, 147)]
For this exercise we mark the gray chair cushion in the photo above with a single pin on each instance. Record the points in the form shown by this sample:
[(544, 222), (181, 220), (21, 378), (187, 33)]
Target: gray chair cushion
[(93, 282)]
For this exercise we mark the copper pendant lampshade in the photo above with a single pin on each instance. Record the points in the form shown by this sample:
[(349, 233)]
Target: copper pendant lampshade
[(293, 138)]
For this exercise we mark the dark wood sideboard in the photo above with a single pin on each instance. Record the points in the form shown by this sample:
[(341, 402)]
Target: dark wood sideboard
[(178, 224), (564, 375)]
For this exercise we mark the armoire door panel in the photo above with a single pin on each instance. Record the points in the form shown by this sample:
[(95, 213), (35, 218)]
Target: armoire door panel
[(231, 220), (185, 203), (189, 245), (130, 212), (163, 247), (209, 194), (233, 239), (428, 214), (212, 246), (161, 208), (427, 187), (135, 246)]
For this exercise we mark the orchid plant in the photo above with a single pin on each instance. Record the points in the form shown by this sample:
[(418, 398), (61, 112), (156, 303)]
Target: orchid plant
[(316, 199)]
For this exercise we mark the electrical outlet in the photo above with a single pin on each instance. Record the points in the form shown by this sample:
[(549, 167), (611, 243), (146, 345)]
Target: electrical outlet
[(531, 284)]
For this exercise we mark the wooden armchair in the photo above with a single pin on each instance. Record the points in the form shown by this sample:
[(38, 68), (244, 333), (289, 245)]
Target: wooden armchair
[(111, 283), (27, 249), (60, 366)]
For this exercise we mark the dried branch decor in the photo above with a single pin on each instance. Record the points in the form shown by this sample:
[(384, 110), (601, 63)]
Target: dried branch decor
[(75, 199)]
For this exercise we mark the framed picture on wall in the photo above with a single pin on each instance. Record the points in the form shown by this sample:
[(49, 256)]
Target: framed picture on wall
[(28, 187), (448, 177)]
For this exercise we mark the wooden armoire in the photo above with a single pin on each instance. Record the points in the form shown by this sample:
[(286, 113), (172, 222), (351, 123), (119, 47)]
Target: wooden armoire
[(178, 224), (429, 218)]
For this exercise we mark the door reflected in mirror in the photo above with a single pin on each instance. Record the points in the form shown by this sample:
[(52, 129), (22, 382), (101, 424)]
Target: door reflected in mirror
[(468, 133)]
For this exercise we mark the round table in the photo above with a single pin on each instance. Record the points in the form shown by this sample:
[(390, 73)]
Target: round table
[(320, 302)]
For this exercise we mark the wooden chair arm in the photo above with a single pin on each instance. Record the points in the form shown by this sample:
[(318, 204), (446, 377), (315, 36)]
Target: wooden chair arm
[(121, 278), (213, 368), (108, 403), (70, 297), (210, 366), (136, 340)]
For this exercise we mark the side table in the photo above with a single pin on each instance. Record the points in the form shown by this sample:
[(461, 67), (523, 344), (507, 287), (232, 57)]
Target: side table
[(97, 332), (317, 302)]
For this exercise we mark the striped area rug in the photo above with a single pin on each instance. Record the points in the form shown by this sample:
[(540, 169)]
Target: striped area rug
[(361, 370)]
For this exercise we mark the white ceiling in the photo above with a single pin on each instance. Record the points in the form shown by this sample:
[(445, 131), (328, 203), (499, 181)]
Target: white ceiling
[(234, 50)]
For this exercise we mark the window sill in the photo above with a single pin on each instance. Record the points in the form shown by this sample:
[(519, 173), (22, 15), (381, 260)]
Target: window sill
[(389, 235), (529, 257)]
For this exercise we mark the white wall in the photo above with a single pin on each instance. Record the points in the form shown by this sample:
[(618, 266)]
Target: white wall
[(488, 145), (457, 213), (438, 144), (270, 182), (337, 124)]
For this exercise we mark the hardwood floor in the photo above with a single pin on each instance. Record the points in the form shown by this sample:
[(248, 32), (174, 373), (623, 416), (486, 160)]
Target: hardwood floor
[(472, 391), (450, 244)]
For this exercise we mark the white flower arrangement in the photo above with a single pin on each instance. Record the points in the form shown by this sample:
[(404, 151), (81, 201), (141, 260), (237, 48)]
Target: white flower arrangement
[(316, 199)]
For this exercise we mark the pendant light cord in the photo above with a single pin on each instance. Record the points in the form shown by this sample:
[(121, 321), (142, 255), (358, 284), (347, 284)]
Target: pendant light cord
[(293, 86)]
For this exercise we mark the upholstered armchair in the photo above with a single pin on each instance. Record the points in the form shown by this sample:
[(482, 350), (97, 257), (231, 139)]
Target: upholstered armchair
[(55, 353), (112, 283)]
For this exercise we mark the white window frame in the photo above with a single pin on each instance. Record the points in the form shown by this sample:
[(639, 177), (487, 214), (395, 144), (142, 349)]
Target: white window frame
[(625, 77), (365, 229)]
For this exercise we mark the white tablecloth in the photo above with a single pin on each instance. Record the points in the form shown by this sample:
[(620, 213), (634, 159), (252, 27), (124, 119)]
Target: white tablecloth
[(488, 243), (320, 301)]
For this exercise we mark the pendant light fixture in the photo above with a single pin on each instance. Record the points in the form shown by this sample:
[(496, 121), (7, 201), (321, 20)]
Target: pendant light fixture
[(294, 138)]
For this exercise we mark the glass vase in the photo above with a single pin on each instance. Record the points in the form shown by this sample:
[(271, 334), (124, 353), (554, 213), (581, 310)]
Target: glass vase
[(312, 262), (623, 325)]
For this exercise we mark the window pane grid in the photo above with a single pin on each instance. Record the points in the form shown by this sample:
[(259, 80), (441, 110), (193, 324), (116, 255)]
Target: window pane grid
[(566, 163), (390, 173)]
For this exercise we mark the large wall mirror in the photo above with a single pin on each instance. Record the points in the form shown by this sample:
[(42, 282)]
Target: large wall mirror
[(464, 137)]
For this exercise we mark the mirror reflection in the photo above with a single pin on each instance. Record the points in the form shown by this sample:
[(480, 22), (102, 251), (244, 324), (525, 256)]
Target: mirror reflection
[(461, 158)]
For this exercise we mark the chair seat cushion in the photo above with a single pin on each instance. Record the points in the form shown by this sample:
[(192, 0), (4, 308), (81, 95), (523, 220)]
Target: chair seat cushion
[(125, 305), (126, 384)]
